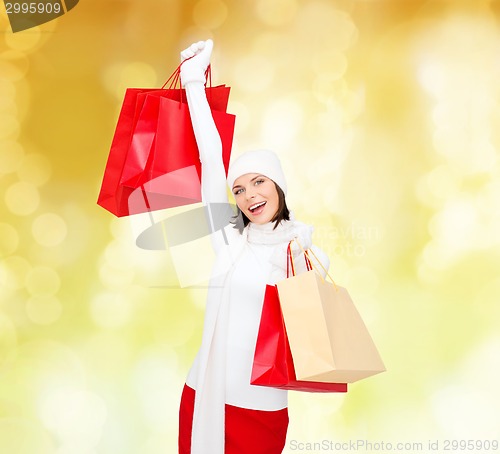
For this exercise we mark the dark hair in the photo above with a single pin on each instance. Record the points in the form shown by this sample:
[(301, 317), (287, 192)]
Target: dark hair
[(240, 221)]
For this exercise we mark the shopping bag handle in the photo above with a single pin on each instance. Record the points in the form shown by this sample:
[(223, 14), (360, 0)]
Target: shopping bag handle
[(291, 264), (174, 80), (306, 254)]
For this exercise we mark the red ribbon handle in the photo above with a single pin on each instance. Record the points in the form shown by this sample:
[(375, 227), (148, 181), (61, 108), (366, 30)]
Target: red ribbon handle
[(175, 77), (290, 263)]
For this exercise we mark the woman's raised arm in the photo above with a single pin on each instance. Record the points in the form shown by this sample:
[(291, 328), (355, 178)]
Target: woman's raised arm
[(196, 59)]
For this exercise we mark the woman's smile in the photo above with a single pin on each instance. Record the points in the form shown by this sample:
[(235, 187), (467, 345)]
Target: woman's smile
[(257, 208), (257, 197)]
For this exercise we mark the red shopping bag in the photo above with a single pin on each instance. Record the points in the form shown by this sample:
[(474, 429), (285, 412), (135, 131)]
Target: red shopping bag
[(145, 125), (273, 362), (175, 131), (133, 183)]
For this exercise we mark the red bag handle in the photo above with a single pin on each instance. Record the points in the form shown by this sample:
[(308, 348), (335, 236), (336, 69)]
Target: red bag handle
[(291, 264), (174, 78)]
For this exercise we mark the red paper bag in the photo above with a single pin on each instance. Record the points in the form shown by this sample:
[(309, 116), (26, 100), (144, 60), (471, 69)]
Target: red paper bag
[(129, 185), (172, 168), (145, 125), (273, 363), (114, 197), (175, 131)]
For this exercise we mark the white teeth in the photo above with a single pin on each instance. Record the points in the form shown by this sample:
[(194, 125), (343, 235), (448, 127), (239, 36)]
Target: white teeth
[(257, 205)]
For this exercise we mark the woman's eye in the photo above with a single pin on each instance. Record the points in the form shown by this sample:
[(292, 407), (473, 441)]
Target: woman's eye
[(259, 181), (238, 191)]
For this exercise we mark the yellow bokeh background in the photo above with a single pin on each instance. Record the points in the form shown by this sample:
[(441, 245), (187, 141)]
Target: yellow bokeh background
[(386, 115)]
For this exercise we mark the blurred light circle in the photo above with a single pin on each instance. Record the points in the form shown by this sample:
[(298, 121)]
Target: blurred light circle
[(22, 198), (48, 365), (155, 368), (155, 443), (117, 77), (460, 409), (49, 229), (35, 169), (485, 155), (18, 57), (275, 46), (119, 229), (13, 272), (27, 41), (324, 25), (107, 351), (432, 77), (282, 122), (434, 258), (15, 68), (116, 275), (11, 156), (9, 239), (330, 64), (426, 273), (75, 416), (490, 197), (43, 310), (119, 254), (364, 279), (23, 99), (455, 225), (331, 197), (8, 339), (484, 355), (4, 21), (9, 126), (276, 12), (8, 105), (242, 114), (42, 281), (326, 88), (210, 13), (7, 93), (253, 73), (24, 436), (471, 151), (111, 310), (448, 114), (442, 182)]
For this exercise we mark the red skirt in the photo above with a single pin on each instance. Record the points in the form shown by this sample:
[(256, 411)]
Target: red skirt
[(246, 431)]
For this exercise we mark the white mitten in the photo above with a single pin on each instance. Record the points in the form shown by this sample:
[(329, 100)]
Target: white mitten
[(304, 236), (196, 59)]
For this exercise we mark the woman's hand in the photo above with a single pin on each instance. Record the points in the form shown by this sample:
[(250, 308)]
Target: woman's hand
[(195, 60)]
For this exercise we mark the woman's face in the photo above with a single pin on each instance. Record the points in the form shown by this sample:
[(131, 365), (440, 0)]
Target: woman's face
[(257, 197)]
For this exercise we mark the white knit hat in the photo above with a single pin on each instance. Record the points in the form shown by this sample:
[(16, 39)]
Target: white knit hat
[(265, 162)]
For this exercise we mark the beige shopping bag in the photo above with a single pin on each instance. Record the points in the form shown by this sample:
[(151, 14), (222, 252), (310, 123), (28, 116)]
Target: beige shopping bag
[(328, 339)]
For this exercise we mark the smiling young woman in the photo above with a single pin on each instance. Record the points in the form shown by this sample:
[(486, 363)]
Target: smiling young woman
[(220, 411)]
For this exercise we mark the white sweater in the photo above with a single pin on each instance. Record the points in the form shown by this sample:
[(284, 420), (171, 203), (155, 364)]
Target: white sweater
[(245, 263)]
